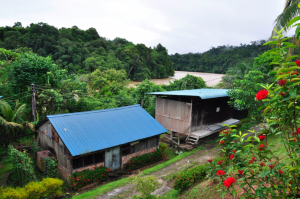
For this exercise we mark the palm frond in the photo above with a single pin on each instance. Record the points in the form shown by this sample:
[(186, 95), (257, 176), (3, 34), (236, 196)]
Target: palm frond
[(5, 108), (19, 112), (2, 121), (290, 11)]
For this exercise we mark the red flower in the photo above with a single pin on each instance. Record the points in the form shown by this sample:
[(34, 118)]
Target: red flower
[(221, 142), (231, 156), (271, 166), (297, 62), (281, 172), (262, 137), (295, 73), (250, 161), (253, 159), (294, 139), (298, 130), (282, 82), (261, 147), (282, 94), (262, 164), (209, 160), (220, 173), (235, 141), (219, 163), (233, 151), (262, 94), (229, 181), (241, 172)]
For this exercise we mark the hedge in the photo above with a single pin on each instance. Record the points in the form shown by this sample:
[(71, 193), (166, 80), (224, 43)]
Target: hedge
[(85, 177), (190, 177), (47, 188), (141, 160)]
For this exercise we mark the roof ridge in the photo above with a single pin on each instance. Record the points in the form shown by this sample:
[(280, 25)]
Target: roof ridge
[(89, 112)]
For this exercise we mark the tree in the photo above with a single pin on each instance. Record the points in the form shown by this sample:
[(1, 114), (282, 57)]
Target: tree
[(243, 94), (290, 10), (12, 117), (28, 69)]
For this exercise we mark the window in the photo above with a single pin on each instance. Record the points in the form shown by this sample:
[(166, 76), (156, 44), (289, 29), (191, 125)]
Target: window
[(140, 146), (151, 142), (77, 163), (127, 149), (99, 157), (88, 160)]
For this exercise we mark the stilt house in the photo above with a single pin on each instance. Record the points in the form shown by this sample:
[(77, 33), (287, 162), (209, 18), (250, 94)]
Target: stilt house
[(108, 137), (195, 113)]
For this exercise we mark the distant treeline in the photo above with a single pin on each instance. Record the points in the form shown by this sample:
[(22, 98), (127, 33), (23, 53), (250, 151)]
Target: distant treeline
[(219, 59), (83, 51)]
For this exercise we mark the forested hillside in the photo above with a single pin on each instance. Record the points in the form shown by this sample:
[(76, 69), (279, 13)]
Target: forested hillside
[(83, 51), (219, 59)]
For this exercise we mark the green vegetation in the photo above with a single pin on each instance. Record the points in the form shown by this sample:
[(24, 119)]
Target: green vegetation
[(48, 187), (82, 178), (219, 59), (83, 51), (113, 185), (141, 160)]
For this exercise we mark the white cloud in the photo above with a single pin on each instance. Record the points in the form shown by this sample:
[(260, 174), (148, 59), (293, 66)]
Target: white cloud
[(181, 26)]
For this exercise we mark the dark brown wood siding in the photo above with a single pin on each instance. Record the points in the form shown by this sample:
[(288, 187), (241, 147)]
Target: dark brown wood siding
[(204, 112)]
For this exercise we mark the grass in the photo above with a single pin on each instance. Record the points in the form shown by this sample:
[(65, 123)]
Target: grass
[(170, 154), (173, 175), (113, 185)]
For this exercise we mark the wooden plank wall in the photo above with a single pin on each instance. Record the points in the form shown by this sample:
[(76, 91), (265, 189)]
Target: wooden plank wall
[(173, 115)]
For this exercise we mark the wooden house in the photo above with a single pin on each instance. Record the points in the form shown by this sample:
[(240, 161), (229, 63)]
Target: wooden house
[(195, 113), (108, 137)]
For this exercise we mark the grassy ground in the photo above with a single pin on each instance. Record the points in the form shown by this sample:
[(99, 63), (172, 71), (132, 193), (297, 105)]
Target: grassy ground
[(113, 185)]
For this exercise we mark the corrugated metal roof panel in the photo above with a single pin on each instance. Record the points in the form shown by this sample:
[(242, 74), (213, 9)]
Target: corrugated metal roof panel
[(96, 130), (203, 93)]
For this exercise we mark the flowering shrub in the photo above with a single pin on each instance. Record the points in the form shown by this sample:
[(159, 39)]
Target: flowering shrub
[(189, 177), (47, 188), (141, 160), (259, 172), (85, 177)]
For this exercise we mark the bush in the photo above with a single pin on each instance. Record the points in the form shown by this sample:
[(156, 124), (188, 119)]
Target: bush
[(85, 177), (190, 177), (163, 147), (141, 160), (47, 188)]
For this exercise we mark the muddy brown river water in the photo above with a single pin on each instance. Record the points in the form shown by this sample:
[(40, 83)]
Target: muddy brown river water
[(211, 79)]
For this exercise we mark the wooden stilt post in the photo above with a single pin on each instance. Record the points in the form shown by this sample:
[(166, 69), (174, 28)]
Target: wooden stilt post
[(171, 141)]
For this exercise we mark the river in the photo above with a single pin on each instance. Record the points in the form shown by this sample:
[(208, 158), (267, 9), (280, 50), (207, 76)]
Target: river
[(211, 79)]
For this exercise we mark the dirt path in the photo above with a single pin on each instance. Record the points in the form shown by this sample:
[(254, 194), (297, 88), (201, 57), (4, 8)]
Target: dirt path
[(199, 157)]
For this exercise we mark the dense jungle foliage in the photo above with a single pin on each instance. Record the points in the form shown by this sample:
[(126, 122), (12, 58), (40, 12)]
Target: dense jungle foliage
[(219, 59), (59, 91), (83, 51)]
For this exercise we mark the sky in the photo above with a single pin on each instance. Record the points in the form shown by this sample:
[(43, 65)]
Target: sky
[(182, 26)]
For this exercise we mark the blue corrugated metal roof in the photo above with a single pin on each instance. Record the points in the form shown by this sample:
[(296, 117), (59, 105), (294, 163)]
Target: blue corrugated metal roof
[(203, 93), (97, 130)]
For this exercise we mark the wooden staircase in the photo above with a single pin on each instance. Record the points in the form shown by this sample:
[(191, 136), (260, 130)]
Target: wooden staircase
[(192, 139)]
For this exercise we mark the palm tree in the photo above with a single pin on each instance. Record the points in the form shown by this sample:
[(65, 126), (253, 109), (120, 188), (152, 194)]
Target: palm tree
[(290, 11), (12, 117)]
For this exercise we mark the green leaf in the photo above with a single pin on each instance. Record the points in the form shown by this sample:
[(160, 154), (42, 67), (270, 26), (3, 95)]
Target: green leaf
[(293, 93), (293, 21), (294, 68), (282, 76), (233, 192), (271, 42)]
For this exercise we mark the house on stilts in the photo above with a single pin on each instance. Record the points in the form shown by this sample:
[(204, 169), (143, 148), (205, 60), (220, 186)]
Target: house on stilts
[(108, 138), (195, 114)]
